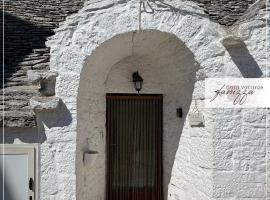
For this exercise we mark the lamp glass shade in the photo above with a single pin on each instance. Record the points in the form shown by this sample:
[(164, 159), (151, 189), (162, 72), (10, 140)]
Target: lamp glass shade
[(138, 85)]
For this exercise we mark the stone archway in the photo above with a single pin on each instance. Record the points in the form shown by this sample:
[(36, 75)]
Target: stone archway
[(86, 39), (168, 67)]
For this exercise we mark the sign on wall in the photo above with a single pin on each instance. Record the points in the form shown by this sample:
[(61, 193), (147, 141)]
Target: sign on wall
[(237, 93)]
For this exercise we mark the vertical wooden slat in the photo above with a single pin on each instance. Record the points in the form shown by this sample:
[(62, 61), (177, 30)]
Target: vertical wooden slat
[(108, 125), (116, 149), (156, 155), (134, 150), (129, 137), (111, 149), (141, 146), (120, 147), (152, 136), (160, 140), (158, 150), (145, 149), (126, 133), (155, 191)]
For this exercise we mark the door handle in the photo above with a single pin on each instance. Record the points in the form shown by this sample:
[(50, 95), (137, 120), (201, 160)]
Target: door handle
[(31, 184)]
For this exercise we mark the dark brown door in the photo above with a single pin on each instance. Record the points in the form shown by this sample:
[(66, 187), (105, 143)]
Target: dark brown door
[(134, 147)]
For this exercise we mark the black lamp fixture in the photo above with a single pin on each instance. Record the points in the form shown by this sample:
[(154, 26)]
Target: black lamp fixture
[(179, 112), (137, 80)]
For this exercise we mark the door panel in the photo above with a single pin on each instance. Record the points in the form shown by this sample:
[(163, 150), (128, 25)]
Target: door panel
[(16, 180), (17, 166), (134, 147)]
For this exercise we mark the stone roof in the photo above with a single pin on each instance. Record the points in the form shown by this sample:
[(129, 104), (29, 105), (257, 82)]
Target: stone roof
[(225, 12), (28, 24), (252, 12)]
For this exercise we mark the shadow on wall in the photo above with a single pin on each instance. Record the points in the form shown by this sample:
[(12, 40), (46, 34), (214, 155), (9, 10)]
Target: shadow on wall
[(21, 38), (24, 135), (60, 117), (244, 61), (173, 142)]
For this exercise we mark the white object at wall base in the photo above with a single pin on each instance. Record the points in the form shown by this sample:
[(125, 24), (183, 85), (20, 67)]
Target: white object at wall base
[(196, 119), (89, 157)]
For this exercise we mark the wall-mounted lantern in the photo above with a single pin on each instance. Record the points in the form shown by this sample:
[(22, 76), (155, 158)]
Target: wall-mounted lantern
[(179, 112), (137, 80)]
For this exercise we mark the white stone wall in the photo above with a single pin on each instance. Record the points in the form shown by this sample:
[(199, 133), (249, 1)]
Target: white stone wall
[(226, 159), (240, 154), (240, 136)]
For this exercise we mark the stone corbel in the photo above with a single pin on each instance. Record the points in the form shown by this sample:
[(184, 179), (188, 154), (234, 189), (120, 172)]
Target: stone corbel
[(44, 103), (232, 38), (231, 41), (46, 100), (46, 80)]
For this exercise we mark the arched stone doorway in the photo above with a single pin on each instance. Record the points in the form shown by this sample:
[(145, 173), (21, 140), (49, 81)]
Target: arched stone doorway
[(167, 66), (92, 52)]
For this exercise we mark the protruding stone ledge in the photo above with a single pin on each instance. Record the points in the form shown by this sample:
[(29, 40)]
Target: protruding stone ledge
[(44, 103), (231, 41), (45, 79)]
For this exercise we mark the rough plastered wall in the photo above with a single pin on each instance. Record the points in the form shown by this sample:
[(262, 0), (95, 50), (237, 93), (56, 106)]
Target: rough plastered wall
[(240, 136), (232, 143)]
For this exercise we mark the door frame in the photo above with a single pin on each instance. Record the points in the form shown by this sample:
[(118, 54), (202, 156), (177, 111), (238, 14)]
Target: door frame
[(136, 96), (32, 150)]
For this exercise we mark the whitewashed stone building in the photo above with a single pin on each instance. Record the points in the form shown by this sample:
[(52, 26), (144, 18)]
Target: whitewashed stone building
[(174, 45)]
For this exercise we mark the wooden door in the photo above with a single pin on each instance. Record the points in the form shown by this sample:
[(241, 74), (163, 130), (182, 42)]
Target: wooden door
[(134, 147)]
